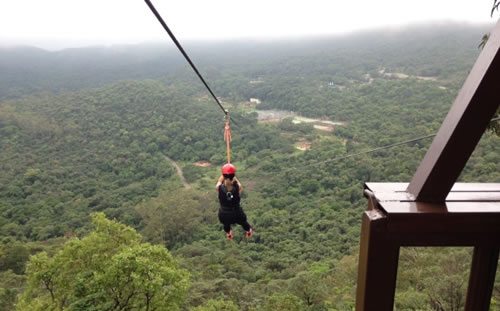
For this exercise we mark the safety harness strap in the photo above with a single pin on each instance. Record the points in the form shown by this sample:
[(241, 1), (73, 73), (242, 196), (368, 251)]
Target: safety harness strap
[(227, 138)]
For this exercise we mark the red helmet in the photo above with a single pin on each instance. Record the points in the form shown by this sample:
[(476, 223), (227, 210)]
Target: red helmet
[(228, 169)]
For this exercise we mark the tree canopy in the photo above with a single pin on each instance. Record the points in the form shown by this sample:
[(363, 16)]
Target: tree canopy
[(110, 269)]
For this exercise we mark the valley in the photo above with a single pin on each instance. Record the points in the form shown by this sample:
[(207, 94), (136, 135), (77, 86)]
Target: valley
[(136, 149)]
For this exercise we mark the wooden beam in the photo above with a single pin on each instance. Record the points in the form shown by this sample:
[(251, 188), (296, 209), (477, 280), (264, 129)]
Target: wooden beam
[(462, 128), (393, 221), (378, 265), (482, 278)]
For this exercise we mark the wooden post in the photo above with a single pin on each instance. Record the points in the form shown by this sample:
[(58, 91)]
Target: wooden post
[(378, 265), (482, 278)]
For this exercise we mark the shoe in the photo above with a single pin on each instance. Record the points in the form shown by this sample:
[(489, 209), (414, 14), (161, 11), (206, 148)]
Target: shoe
[(230, 234), (250, 232)]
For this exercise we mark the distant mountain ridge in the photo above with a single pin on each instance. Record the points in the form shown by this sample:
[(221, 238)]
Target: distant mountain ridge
[(30, 70)]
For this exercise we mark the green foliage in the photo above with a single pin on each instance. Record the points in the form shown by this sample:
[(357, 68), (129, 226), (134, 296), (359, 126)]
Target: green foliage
[(494, 126), (174, 216), (13, 256), (192, 173), (217, 305), (309, 186), (108, 269), (411, 300), (283, 303), (418, 286), (309, 286), (11, 285)]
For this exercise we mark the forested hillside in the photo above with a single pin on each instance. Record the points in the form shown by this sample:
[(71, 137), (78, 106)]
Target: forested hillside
[(416, 50), (89, 131)]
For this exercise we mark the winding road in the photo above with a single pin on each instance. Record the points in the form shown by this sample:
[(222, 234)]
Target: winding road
[(179, 172)]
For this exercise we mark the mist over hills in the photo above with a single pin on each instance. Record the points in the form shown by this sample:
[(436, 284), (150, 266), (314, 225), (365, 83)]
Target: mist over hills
[(29, 70)]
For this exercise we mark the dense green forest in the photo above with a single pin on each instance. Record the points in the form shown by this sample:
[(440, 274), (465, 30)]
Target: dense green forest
[(89, 200)]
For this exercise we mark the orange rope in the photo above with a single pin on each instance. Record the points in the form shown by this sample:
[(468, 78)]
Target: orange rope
[(227, 138)]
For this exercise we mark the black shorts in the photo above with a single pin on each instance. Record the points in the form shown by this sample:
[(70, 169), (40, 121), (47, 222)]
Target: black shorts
[(235, 216)]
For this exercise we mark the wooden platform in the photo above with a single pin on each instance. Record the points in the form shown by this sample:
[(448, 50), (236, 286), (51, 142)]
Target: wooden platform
[(470, 216)]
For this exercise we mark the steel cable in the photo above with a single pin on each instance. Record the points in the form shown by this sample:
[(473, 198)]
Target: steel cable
[(181, 49)]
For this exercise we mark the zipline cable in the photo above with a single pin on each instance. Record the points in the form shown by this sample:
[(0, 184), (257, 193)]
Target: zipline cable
[(370, 150), (227, 131), (367, 151), (179, 46)]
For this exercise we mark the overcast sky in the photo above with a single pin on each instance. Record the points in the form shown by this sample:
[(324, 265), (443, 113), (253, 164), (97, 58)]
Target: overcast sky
[(55, 24)]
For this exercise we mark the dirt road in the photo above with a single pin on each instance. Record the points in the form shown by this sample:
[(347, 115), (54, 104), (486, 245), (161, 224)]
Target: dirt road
[(179, 172)]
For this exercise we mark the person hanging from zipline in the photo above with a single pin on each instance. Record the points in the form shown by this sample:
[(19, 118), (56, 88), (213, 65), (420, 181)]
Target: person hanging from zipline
[(229, 190), (228, 186)]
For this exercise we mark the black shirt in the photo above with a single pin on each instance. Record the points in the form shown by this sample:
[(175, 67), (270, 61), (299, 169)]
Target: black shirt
[(229, 199)]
